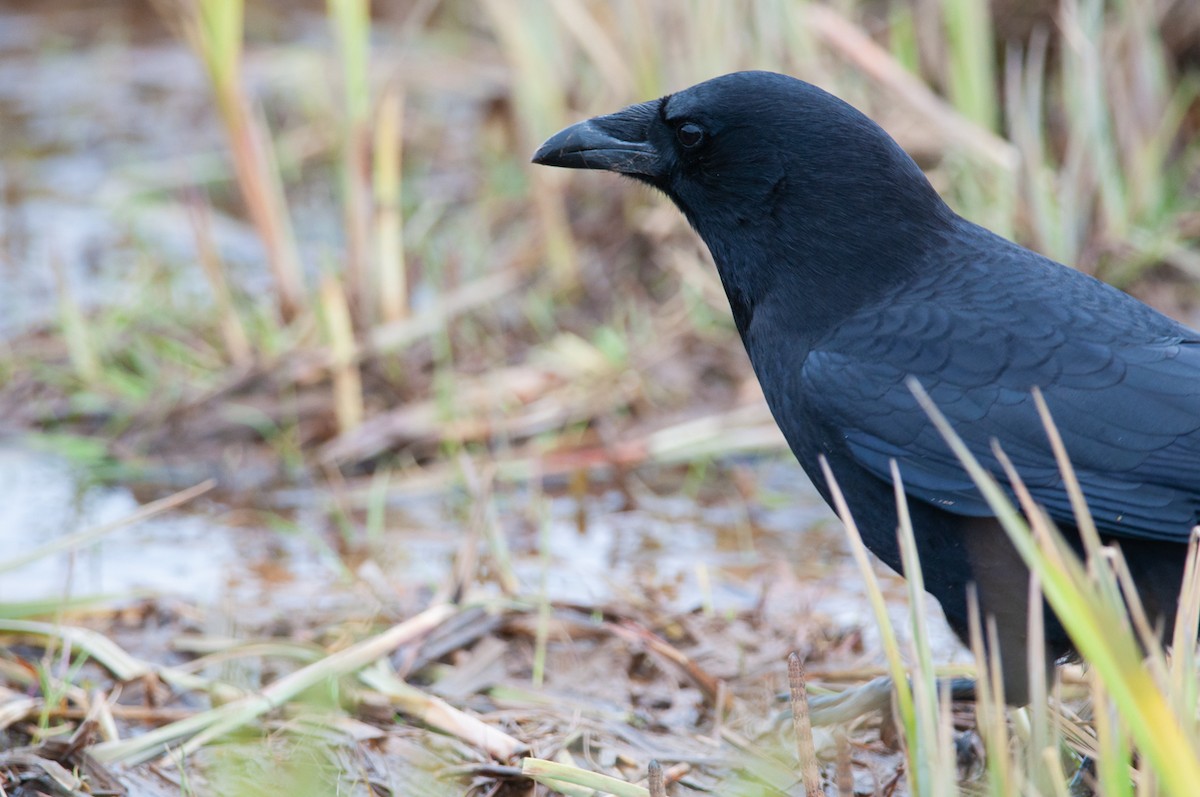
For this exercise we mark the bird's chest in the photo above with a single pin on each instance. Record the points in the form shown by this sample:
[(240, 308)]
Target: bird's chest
[(778, 362)]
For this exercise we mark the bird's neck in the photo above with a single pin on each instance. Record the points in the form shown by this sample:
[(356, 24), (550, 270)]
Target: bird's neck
[(813, 277)]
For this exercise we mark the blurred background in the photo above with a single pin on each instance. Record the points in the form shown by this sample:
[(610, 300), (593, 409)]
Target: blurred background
[(247, 242), (294, 254)]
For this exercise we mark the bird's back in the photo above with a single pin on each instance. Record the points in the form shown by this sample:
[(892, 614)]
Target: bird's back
[(980, 326)]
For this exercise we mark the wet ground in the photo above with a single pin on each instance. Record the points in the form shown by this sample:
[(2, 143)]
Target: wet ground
[(104, 117), (263, 564), (741, 583), (104, 114)]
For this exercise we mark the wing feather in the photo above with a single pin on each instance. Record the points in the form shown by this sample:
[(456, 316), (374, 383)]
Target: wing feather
[(1122, 384)]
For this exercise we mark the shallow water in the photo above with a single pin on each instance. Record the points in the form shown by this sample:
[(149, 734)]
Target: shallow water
[(188, 555)]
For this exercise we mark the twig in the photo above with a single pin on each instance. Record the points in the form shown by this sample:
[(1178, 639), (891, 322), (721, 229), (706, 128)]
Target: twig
[(805, 748), (845, 774), (634, 632), (655, 776)]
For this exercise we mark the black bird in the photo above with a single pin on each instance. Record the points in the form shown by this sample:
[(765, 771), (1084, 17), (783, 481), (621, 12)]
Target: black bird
[(847, 274)]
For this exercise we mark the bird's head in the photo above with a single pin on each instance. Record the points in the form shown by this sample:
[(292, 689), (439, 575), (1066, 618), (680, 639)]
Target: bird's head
[(777, 176)]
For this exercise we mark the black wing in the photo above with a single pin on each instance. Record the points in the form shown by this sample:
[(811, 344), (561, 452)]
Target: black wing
[(1122, 383)]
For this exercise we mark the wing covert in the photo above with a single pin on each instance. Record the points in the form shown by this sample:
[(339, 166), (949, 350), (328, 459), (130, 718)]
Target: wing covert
[(1129, 413)]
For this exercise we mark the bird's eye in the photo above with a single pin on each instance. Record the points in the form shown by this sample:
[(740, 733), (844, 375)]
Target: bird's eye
[(689, 134)]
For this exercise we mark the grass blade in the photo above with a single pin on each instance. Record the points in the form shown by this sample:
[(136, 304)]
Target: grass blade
[(1099, 630)]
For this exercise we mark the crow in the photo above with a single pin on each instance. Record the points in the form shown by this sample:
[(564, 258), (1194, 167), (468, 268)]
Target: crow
[(848, 275)]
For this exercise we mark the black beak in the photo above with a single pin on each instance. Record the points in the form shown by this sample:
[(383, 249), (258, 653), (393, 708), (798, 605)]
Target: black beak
[(618, 142)]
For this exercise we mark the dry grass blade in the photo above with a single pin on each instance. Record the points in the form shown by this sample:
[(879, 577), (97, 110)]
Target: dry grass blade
[(347, 382), (853, 44), (1058, 780), (773, 776), (596, 41), (1099, 628), (530, 44), (215, 33), (15, 707), (850, 704), (350, 20), (564, 788), (52, 774), (1040, 734), (109, 654), (1187, 626), (1155, 659), (233, 332), (904, 696), (932, 761), (1083, 517), (550, 773), (390, 268), (746, 428), (439, 714), (79, 539), (203, 728), (388, 338), (711, 686), (529, 391), (990, 710)]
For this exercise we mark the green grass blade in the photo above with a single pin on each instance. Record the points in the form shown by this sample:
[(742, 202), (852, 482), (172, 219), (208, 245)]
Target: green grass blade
[(1101, 632)]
